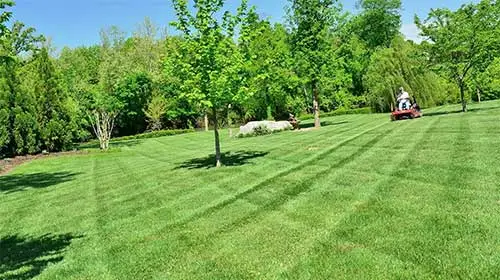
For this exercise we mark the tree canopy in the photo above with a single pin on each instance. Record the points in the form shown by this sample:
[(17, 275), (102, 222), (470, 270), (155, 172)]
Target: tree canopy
[(231, 68)]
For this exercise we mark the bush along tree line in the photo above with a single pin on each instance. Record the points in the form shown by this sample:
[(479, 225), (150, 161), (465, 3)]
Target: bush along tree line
[(237, 67)]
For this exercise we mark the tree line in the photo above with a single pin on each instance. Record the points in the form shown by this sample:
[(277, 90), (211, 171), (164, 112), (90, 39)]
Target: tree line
[(237, 67)]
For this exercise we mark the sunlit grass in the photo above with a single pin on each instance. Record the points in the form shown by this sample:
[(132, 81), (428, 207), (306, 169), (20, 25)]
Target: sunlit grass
[(362, 198)]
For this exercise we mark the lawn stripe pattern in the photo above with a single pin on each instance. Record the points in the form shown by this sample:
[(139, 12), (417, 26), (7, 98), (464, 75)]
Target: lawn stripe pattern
[(361, 198)]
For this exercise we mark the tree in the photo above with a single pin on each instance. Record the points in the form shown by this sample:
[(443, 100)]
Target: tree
[(402, 65), (102, 115), (215, 67), (379, 22), (311, 22), (487, 83), (177, 79), (156, 111), (145, 49), (462, 41), (56, 120), (79, 70), (268, 68), (101, 104), (19, 128), (356, 58), (134, 92)]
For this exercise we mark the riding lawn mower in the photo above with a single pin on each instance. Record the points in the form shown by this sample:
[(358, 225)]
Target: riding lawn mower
[(409, 111)]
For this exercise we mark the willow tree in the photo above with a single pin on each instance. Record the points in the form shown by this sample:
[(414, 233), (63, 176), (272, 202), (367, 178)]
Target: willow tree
[(311, 22), (402, 65), (212, 71)]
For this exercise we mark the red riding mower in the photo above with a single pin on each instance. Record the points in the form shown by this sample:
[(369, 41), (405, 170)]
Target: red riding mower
[(409, 111)]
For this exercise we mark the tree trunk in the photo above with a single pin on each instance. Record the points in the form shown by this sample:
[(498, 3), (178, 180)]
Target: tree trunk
[(462, 97), (218, 162), (317, 122), (103, 124), (269, 113), (206, 122), (478, 95), (229, 123)]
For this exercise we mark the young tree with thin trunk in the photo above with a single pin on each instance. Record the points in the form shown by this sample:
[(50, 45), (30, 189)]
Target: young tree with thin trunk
[(155, 112), (102, 118), (311, 22), (102, 103), (213, 73)]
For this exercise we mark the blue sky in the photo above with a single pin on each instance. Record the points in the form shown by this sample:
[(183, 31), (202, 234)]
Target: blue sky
[(77, 22)]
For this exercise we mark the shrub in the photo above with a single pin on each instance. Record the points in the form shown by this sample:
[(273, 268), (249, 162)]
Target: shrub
[(154, 134), (339, 112), (262, 130)]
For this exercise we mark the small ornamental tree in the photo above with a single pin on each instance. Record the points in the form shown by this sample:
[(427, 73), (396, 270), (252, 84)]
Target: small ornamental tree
[(213, 77), (102, 113)]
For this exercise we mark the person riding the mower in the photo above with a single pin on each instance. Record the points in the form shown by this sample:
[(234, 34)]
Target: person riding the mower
[(403, 100)]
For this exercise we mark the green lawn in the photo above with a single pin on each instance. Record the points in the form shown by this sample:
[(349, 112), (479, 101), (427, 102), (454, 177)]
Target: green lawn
[(362, 198)]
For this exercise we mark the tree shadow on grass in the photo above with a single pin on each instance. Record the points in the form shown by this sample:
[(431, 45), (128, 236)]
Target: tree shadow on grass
[(433, 114), (228, 159), (20, 182), (326, 123), (26, 257)]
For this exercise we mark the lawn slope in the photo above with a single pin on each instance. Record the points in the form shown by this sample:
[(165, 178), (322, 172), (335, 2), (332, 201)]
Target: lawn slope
[(362, 198)]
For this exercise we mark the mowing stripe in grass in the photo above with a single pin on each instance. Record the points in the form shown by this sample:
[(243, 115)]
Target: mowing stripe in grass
[(185, 194), (268, 180), (301, 187), (397, 202), (336, 231)]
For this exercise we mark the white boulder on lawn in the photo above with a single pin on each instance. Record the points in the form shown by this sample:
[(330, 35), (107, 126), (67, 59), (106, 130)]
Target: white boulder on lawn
[(274, 126)]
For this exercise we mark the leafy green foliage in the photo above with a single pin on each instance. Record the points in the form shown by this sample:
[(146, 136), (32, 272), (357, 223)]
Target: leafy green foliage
[(56, 120), (379, 22), (268, 70), (340, 112), (488, 82), (312, 22), (215, 64), (262, 130), (155, 112), (147, 135), (463, 41), (234, 68), (134, 92), (401, 66)]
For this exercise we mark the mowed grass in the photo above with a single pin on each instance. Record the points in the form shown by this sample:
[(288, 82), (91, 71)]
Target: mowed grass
[(362, 198)]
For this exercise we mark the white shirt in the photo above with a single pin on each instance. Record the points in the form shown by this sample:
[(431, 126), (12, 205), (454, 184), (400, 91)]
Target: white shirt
[(404, 95)]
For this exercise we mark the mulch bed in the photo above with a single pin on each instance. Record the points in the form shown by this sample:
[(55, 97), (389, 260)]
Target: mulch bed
[(8, 164)]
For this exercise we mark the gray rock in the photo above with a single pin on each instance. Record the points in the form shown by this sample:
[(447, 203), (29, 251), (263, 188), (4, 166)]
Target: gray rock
[(274, 126)]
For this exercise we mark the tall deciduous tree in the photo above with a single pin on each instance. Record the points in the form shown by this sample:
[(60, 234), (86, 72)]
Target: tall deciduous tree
[(216, 62), (268, 68), (463, 41), (311, 22), (379, 22)]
